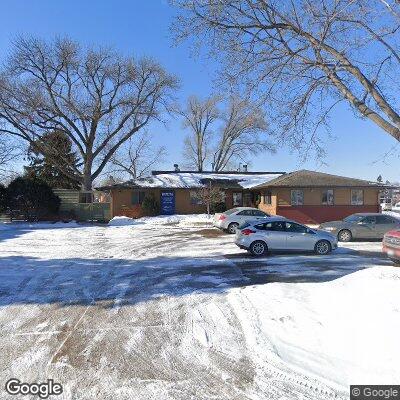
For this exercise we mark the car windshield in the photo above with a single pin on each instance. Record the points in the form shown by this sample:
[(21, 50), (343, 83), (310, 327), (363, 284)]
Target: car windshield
[(353, 218), (231, 211), (244, 225)]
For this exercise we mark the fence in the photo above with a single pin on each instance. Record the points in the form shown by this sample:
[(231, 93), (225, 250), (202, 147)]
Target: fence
[(70, 203)]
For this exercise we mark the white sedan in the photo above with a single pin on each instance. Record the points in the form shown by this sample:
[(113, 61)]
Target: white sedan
[(280, 234)]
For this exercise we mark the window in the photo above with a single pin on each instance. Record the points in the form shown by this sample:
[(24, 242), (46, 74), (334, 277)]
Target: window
[(101, 197), (231, 211), (357, 197), (195, 199), (327, 197), (137, 198), (369, 220), (297, 197), (86, 197), (354, 218), (276, 226), (260, 227), (295, 228), (245, 212), (384, 219), (237, 198), (258, 213), (267, 198)]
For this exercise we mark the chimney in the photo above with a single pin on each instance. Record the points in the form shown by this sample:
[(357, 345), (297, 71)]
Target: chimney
[(244, 167), (176, 168)]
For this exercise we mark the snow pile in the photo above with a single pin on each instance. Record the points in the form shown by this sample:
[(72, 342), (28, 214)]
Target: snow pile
[(190, 219), (182, 219), (343, 331), (122, 221), (38, 225)]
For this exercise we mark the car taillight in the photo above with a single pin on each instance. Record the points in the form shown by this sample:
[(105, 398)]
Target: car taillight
[(247, 232), (222, 217)]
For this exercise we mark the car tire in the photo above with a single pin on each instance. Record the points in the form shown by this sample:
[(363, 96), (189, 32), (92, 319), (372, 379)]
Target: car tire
[(322, 248), (258, 248), (396, 262), (345, 235), (232, 227)]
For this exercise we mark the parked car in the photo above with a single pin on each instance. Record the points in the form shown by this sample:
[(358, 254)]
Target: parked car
[(391, 245), (386, 206), (396, 207), (231, 219), (361, 226), (281, 234)]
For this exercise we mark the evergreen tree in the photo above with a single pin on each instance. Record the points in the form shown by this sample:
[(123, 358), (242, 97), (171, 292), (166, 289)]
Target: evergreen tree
[(33, 198), (44, 167), (380, 179)]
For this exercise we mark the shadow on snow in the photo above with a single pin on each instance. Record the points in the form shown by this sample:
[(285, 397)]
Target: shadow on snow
[(78, 281)]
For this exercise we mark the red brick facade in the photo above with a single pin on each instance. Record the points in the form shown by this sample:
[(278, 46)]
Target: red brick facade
[(318, 214)]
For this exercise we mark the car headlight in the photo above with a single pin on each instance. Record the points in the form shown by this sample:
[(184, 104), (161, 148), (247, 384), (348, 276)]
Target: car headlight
[(329, 228)]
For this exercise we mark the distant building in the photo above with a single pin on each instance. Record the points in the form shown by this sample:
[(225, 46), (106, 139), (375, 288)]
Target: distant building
[(390, 196)]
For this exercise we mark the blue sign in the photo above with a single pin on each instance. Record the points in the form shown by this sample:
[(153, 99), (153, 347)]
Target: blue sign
[(168, 203)]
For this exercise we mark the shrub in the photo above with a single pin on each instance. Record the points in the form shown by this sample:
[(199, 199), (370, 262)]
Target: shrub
[(150, 206), (33, 198), (218, 207)]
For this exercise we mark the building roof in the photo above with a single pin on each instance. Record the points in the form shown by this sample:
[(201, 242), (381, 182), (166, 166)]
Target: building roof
[(305, 178), (187, 180), (242, 180)]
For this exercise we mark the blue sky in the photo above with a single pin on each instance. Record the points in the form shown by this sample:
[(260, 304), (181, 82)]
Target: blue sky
[(357, 147)]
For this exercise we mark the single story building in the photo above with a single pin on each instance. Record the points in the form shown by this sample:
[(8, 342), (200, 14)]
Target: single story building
[(313, 197), (305, 196), (176, 192)]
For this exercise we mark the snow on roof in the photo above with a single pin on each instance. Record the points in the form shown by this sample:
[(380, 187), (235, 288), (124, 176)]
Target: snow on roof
[(186, 180)]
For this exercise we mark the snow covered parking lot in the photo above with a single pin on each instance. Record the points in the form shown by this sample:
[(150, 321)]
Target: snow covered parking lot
[(171, 309)]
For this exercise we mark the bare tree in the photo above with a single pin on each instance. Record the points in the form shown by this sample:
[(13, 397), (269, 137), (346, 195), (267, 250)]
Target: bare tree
[(241, 134), (302, 58), (98, 98), (199, 116), (209, 196), (9, 151), (137, 157)]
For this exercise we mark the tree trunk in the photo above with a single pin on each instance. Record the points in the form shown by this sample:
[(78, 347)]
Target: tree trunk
[(87, 174)]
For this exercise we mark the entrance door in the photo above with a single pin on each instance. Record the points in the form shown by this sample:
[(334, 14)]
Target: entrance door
[(248, 200), (167, 203)]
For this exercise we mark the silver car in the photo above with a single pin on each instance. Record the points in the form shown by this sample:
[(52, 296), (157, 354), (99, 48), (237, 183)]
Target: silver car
[(362, 226), (281, 234), (231, 219)]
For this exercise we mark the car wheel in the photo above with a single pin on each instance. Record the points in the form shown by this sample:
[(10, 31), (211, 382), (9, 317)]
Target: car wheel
[(396, 261), (323, 247), (232, 227), (258, 248), (344, 235)]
